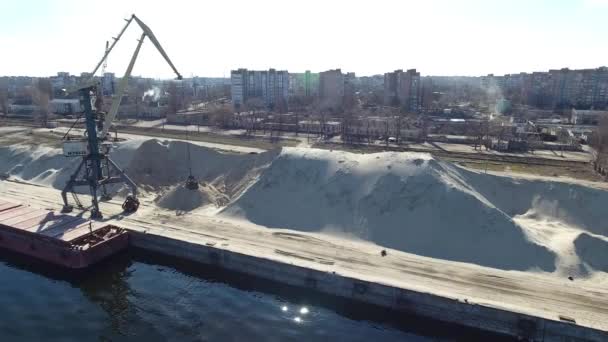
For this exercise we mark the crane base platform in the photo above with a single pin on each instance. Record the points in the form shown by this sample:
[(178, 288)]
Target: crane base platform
[(65, 240)]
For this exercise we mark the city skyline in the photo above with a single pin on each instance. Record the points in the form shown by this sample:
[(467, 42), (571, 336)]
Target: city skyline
[(442, 38)]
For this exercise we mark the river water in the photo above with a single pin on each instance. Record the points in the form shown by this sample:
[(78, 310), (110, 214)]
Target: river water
[(140, 296)]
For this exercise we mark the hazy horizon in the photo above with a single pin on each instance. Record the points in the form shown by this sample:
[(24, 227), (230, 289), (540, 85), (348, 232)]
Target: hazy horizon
[(436, 37)]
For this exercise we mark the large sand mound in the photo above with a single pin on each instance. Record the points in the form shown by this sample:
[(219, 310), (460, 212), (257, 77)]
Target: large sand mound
[(158, 164), (39, 164), (48, 166), (410, 202), (406, 201), (154, 165)]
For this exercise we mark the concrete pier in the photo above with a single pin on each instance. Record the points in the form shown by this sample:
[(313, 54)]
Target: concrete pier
[(529, 305), (461, 312)]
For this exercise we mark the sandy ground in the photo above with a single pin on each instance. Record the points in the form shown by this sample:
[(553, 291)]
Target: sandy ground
[(558, 155), (223, 147), (190, 128), (406, 201), (492, 238), (533, 293)]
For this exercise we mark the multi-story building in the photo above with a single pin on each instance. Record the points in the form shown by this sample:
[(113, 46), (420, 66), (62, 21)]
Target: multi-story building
[(331, 89), (63, 80), (558, 88), (584, 96), (238, 85), (271, 86), (402, 89), (564, 87), (304, 84), (539, 92), (600, 88), (426, 93), (107, 83), (390, 88), (311, 83), (350, 88)]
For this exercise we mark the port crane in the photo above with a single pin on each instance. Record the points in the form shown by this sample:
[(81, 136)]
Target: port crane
[(97, 170)]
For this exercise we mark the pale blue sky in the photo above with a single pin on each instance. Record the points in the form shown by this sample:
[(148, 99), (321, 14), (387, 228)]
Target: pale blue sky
[(208, 38)]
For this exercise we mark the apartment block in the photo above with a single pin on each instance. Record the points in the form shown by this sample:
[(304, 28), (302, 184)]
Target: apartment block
[(271, 86), (402, 89)]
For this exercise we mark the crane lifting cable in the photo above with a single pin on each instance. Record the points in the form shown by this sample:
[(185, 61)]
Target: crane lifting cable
[(191, 182)]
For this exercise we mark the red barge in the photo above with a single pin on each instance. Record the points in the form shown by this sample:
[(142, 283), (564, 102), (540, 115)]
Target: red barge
[(61, 239)]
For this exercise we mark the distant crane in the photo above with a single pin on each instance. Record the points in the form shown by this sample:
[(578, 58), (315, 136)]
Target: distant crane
[(105, 61), (100, 91), (97, 170)]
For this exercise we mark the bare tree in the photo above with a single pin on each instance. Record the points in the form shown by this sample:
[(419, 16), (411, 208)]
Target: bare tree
[(325, 108), (254, 105), (398, 125), (349, 105), (477, 130), (298, 105), (221, 115), (600, 144), (136, 93), (368, 130), (174, 102), (42, 98), (281, 105)]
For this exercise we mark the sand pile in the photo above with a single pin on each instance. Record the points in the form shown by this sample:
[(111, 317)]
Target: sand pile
[(180, 198), (38, 164), (573, 204), (157, 164), (48, 166), (406, 201), (152, 164), (414, 203)]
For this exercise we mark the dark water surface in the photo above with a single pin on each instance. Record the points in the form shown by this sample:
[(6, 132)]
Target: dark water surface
[(145, 297)]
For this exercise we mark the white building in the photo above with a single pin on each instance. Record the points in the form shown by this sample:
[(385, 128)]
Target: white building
[(588, 117), (237, 86), (271, 86), (63, 80), (65, 106), (107, 83)]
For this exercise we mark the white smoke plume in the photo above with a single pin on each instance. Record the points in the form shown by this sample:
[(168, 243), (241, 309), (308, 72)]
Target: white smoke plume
[(153, 92)]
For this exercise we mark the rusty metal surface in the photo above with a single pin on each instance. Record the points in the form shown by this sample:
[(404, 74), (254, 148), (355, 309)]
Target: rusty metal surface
[(51, 236)]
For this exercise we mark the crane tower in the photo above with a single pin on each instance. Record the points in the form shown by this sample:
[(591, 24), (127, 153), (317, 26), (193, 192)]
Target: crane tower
[(97, 170)]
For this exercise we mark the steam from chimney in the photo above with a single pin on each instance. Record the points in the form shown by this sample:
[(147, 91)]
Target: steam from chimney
[(153, 92)]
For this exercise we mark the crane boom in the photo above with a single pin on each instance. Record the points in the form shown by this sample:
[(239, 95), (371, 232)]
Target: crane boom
[(105, 61), (154, 41), (117, 97), (105, 55)]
